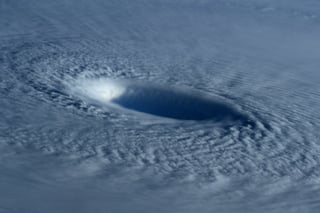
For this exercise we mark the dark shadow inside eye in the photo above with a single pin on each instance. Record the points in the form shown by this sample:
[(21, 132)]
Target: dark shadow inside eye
[(175, 104)]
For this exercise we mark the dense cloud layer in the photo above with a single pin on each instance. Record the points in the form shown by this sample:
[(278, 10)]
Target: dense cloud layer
[(72, 140)]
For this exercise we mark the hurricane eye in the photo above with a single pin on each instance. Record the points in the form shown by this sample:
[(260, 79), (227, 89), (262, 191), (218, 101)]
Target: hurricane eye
[(159, 101)]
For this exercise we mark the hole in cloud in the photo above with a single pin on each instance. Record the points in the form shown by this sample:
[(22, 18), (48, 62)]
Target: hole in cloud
[(161, 101)]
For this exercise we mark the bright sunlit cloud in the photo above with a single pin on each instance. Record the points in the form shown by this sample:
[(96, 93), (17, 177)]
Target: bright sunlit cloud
[(102, 90)]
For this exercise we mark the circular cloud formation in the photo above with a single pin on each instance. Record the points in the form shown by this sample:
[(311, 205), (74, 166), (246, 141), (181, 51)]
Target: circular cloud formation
[(160, 101)]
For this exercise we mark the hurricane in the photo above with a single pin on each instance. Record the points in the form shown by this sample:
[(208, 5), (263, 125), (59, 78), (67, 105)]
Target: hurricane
[(159, 106)]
